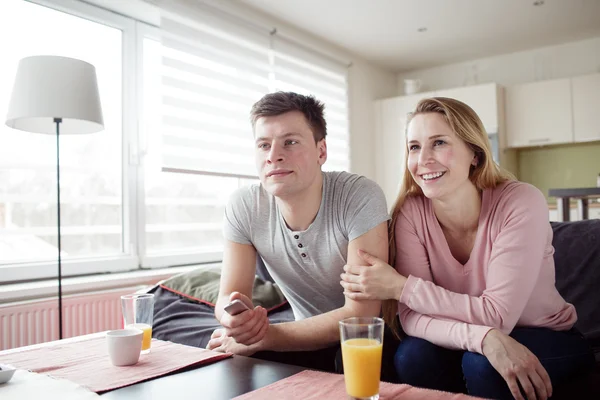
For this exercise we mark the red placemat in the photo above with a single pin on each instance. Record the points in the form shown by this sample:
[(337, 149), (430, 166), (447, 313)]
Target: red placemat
[(87, 362), (309, 385)]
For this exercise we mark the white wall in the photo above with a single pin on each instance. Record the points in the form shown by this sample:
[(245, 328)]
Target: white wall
[(553, 62), (366, 84)]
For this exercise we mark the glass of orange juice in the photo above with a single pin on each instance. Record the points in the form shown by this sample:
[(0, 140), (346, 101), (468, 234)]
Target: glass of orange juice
[(362, 345), (138, 312)]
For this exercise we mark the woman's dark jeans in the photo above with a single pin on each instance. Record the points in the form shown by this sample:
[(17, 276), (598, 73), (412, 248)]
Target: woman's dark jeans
[(423, 364)]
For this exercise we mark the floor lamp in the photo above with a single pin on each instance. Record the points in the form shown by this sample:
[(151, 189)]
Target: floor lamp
[(55, 95)]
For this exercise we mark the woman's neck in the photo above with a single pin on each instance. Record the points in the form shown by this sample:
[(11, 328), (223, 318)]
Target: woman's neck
[(459, 213)]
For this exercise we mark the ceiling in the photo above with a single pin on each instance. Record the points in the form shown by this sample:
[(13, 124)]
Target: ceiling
[(386, 32)]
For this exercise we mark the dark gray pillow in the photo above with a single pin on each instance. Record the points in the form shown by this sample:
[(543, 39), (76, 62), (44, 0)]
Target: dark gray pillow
[(577, 260)]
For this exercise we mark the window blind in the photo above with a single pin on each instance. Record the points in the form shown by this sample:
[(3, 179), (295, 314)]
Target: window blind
[(303, 71), (214, 69)]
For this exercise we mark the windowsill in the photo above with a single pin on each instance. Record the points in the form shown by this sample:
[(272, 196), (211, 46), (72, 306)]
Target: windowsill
[(15, 292)]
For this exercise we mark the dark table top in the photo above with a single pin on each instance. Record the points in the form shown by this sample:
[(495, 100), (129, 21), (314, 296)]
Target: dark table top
[(223, 379), (575, 192)]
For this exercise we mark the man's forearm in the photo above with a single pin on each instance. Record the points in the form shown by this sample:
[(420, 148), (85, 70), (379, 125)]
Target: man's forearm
[(316, 332)]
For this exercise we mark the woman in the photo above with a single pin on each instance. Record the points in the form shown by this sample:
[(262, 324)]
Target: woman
[(473, 257)]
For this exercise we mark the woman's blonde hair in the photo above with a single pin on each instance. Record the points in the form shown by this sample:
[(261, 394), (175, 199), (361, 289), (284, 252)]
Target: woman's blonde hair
[(465, 123)]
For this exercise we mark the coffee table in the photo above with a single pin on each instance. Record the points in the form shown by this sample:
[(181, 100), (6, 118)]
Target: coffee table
[(223, 379)]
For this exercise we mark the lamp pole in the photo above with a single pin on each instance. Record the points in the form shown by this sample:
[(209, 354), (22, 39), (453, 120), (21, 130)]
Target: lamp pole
[(57, 121)]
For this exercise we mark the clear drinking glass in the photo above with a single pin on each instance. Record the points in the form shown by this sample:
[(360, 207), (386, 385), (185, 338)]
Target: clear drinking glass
[(138, 312), (362, 345)]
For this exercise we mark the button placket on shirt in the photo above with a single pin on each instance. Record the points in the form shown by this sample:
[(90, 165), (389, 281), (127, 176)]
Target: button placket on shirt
[(303, 253)]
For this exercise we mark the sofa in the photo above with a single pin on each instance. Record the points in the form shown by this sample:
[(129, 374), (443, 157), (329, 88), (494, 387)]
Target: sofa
[(182, 317), (577, 262)]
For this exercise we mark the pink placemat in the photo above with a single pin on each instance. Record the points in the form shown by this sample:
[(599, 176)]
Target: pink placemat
[(87, 362), (309, 385)]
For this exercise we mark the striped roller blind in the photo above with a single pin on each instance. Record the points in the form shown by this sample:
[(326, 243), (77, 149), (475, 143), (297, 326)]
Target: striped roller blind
[(300, 70), (214, 70), (212, 73)]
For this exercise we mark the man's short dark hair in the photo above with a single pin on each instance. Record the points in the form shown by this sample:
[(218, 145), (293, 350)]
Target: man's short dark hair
[(278, 103)]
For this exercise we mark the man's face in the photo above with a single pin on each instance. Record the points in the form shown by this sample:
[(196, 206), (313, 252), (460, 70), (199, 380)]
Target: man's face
[(288, 160)]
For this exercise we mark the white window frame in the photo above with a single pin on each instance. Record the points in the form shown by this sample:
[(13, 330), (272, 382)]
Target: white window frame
[(142, 31), (163, 259), (129, 260)]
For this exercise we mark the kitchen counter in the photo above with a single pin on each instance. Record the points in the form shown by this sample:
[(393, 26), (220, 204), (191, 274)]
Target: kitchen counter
[(582, 195)]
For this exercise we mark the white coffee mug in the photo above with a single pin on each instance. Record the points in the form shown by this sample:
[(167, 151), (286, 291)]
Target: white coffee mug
[(124, 346)]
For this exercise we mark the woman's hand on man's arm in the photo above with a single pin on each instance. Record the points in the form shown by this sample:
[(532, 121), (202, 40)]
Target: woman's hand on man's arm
[(376, 280)]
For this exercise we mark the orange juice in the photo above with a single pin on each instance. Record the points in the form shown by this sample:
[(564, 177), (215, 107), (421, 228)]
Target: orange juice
[(147, 329), (362, 366)]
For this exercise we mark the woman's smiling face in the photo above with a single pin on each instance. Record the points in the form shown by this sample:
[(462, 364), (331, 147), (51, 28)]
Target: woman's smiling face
[(438, 160)]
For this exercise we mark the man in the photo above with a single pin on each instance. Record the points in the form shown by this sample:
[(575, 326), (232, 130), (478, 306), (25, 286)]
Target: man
[(305, 224)]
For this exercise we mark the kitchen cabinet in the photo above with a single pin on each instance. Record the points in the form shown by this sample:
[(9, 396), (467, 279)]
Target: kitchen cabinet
[(483, 99), (390, 147), (390, 128), (408, 103), (539, 113), (487, 100), (586, 107)]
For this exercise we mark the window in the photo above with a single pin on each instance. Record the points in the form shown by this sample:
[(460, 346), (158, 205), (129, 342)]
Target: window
[(212, 74), (213, 70), (175, 99), (183, 212), (92, 221)]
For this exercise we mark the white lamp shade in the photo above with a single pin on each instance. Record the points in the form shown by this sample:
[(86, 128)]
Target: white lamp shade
[(49, 87)]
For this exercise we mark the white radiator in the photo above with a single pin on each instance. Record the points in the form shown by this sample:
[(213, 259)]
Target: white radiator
[(36, 321)]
